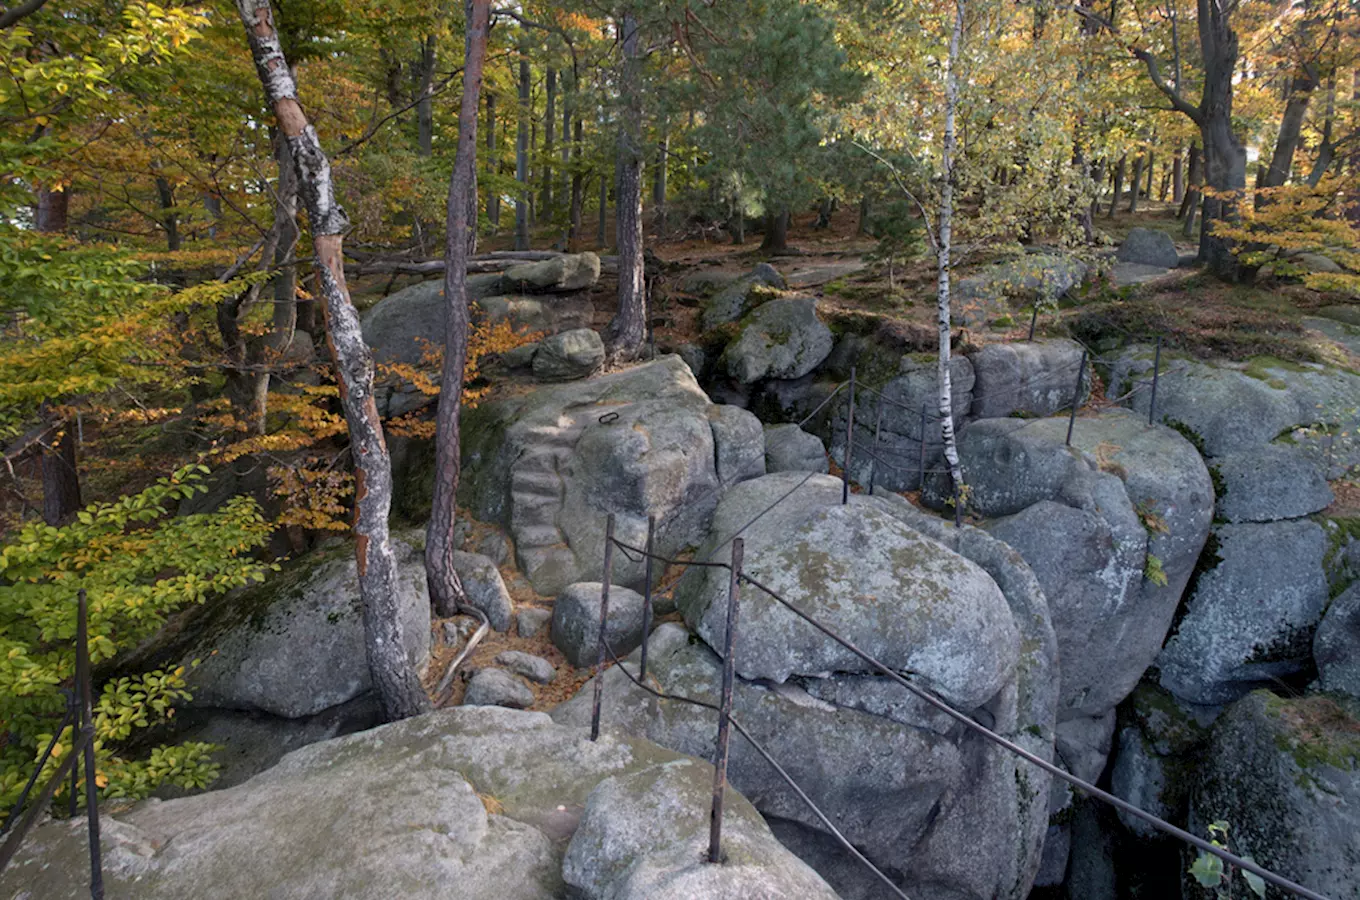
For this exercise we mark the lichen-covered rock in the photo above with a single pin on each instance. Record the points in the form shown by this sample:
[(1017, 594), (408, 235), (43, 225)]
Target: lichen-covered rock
[(497, 687), (895, 593), (568, 272), (548, 315), (1336, 646), (732, 299), (552, 463), (1268, 483), (569, 355), (789, 448), (534, 668), (576, 622), (779, 339), (531, 621), (738, 442), (1285, 776), (294, 645), (1250, 619), (400, 327), (644, 836), (1036, 377), (991, 291), (1148, 247), (478, 803), (484, 587)]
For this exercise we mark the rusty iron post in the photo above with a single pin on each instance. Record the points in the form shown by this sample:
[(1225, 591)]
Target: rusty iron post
[(878, 431), (725, 707), (1076, 397), (849, 442), (647, 595), (604, 622), (922, 486), (1156, 368)]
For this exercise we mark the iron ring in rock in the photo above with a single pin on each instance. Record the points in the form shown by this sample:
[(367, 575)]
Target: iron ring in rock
[(609, 418)]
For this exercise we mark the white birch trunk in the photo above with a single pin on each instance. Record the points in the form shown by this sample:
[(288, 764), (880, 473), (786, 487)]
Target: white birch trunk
[(943, 248)]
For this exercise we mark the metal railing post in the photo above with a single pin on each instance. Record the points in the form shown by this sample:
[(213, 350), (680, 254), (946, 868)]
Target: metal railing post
[(725, 707), (1156, 367), (86, 721), (849, 442), (1033, 319), (922, 466), (1076, 398), (604, 622), (647, 594), (878, 431)]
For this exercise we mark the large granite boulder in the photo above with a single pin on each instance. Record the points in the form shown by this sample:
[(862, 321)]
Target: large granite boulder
[(1250, 619), (294, 645), (1336, 646), (1232, 407), (731, 302), (553, 462), (576, 622), (994, 289), (1089, 518), (644, 836), (1285, 776), (1036, 378), (568, 356), (479, 803), (545, 314), (789, 448), (944, 812), (401, 326), (568, 272), (1148, 247), (779, 339), (1268, 483)]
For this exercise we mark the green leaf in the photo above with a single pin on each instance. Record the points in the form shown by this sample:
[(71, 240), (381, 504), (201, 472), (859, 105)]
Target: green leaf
[(1254, 881), (1208, 870)]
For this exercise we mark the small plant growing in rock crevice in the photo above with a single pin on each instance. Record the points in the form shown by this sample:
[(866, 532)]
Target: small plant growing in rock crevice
[(1215, 876)]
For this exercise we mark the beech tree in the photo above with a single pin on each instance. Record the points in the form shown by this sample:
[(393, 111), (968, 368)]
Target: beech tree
[(397, 685)]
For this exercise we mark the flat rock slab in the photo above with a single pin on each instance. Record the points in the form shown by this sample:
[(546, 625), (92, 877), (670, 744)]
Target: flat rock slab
[(1124, 274), (1269, 483), (1343, 333), (813, 276)]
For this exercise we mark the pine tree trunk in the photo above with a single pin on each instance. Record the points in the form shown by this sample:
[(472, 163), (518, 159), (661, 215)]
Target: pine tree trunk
[(944, 241), (1135, 184), (1118, 184), (1148, 170), (394, 678), (165, 193), (578, 188), (628, 329), (776, 238), (61, 478), (425, 105), (545, 201), (493, 197), (1178, 177), (522, 153), (446, 589), (663, 156), (601, 234), (52, 210), (862, 228)]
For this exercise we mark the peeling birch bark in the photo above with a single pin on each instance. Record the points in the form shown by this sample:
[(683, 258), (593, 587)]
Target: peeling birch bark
[(943, 249), (394, 679)]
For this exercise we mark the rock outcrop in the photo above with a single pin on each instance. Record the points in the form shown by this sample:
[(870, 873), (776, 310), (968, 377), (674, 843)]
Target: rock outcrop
[(478, 803), (782, 339), (735, 296), (1336, 646), (1148, 247)]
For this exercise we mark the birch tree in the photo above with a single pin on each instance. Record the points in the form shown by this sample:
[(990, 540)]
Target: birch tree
[(395, 680)]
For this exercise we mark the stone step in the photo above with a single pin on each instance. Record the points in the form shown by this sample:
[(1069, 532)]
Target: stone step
[(535, 483), (529, 514), (537, 536)]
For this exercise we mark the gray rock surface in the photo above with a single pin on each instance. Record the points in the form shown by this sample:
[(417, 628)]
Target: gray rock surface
[(576, 622), (550, 464), (497, 687), (732, 300), (789, 448), (738, 442), (895, 593), (294, 645), (898, 431), (477, 803), (1038, 378), (548, 315), (569, 355), (1271, 482), (400, 326), (1250, 618), (521, 357), (1148, 247), (644, 836), (1285, 775), (1124, 274), (534, 668), (1160, 743), (780, 339), (531, 621), (707, 281), (1336, 646), (1232, 407), (568, 272), (1086, 519), (485, 588)]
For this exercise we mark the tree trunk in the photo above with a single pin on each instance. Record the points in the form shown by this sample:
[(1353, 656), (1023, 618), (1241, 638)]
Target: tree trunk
[(1326, 151), (862, 228), (629, 327), (52, 210), (776, 238), (1178, 177), (943, 263), (567, 89), (1225, 160), (823, 214), (1151, 159), (1291, 126), (1135, 184), (545, 201), (522, 153), (601, 234), (425, 105), (61, 478), (446, 589), (394, 678), (578, 188), (285, 317), (1118, 184), (165, 193), (493, 196), (1193, 178)]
